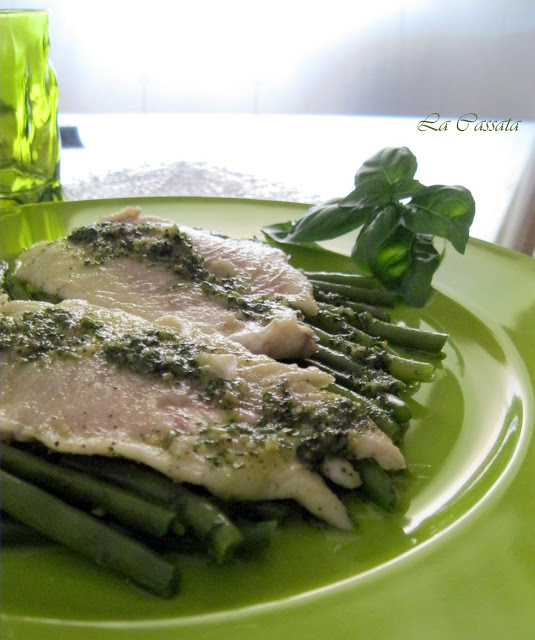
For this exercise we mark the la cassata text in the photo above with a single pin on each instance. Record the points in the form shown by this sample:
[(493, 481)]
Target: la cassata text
[(465, 122)]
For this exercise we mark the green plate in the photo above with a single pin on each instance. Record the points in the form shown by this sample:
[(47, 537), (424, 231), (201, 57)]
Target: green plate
[(459, 563)]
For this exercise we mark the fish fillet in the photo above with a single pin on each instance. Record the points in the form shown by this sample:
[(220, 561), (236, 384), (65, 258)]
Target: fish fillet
[(198, 408), (241, 289)]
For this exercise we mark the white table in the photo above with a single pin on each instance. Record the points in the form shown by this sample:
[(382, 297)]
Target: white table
[(293, 158)]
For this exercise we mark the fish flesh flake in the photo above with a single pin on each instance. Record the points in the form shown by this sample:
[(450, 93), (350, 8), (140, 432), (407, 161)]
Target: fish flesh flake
[(196, 407), (242, 289)]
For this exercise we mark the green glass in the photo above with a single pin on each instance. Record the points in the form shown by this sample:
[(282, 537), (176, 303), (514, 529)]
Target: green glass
[(29, 141)]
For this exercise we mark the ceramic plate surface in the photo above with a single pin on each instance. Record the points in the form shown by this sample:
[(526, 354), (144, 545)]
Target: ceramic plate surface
[(459, 563)]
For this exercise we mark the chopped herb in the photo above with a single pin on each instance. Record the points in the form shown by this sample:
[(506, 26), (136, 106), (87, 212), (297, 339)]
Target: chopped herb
[(56, 332), (286, 428), (171, 248), (47, 332)]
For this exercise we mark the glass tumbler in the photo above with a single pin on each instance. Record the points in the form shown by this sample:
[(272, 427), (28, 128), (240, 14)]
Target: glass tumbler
[(29, 141)]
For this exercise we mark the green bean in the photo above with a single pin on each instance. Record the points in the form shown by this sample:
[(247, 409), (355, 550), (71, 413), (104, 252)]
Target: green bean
[(377, 484), (328, 339), (378, 415), (338, 321), (88, 492), (367, 330), (257, 536), (359, 307), (380, 395), (371, 296), (410, 370), (87, 535), (177, 528), (207, 520), (402, 369), (398, 408), (351, 279), (407, 370), (399, 369), (197, 513), (277, 510), (408, 352), (13, 532), (338, 361), (405, 336), (395, 407), (375, 384)]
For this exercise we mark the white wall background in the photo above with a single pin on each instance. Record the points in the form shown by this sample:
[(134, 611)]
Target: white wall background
[(404, 57)]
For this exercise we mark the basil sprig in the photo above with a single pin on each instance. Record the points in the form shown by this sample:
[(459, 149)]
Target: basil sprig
[(398, 218)]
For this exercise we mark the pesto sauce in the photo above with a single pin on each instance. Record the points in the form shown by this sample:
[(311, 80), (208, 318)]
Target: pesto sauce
[(54, 333), (167, 246), (287, 429), (233, 298), (318, 431), (171, 248), (162, 354)]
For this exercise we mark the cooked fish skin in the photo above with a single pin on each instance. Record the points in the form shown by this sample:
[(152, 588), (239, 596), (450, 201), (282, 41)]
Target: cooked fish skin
[(79, 401), (271, 292)]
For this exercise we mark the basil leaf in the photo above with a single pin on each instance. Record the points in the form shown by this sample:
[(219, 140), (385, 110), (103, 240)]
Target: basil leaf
[(391, 165), (442, 211), (373, 236), (407, 188), (394, 256), (405, 263), (415, 285), (395, 241), (322, 222), (385, 177), (369, 193), (278, 232), (402, 260)]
